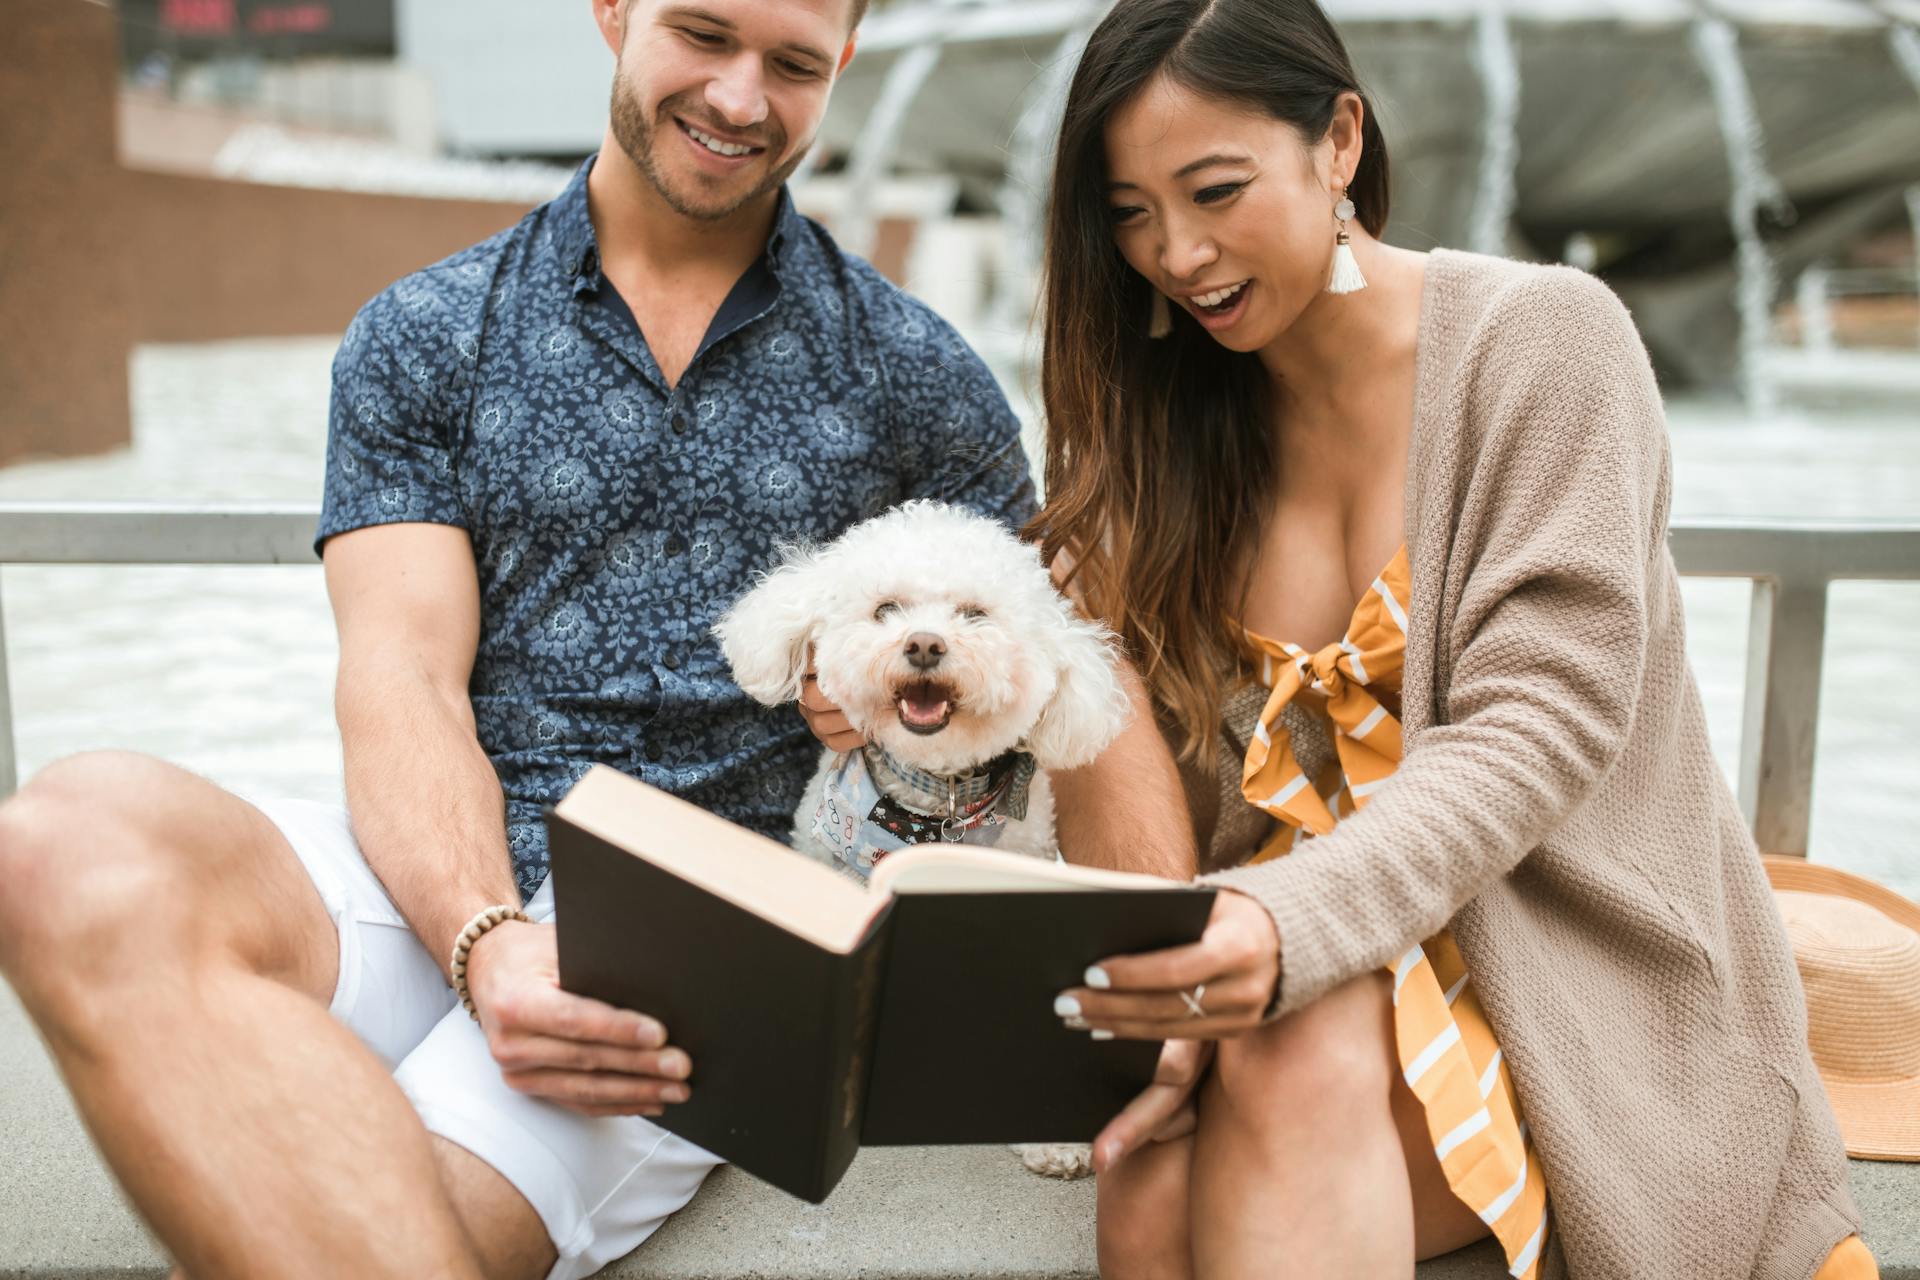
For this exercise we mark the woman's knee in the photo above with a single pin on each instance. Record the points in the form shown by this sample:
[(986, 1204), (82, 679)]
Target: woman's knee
[(1141, 1225), (1339, 1047)]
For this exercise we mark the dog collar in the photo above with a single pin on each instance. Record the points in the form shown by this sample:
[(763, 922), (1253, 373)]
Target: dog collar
[(861, 823), (999, 785)]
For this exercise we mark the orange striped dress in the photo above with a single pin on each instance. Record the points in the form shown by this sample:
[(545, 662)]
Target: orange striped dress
[(1448, 1054)]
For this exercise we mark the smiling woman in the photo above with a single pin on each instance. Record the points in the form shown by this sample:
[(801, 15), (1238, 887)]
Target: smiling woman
[(1386, 533), (1107, 378)]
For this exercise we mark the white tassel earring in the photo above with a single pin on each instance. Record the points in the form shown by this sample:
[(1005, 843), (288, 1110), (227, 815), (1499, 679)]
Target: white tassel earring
[(1160, 319), (1346, 271)]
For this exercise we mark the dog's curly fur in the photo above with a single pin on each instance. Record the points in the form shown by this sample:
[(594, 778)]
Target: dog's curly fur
[(1020, 668)]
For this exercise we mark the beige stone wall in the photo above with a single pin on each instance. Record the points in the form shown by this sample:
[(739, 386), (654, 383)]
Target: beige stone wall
[(95, 258), (209, 259), (65, 318)]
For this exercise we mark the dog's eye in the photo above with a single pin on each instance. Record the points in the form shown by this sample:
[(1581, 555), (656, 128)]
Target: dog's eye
[(971, 612), (884, 608)]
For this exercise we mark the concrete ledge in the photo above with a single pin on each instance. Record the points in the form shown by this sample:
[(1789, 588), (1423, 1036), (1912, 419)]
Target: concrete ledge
[(929, 1213), (932, 1213)]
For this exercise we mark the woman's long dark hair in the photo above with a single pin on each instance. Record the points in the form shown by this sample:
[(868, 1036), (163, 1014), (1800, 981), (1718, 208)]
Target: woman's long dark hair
[(1159, 463)]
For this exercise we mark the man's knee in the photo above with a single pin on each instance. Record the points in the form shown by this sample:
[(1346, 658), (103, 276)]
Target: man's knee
[(79, 874)]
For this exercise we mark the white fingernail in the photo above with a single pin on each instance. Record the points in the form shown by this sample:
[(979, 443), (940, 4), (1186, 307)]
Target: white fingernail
[(1076, 1024), (1099, 1034), (1097, 978), (1066, 1007)]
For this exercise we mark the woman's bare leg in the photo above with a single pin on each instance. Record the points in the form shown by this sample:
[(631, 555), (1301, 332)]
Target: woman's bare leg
[(1158, 1207), (1441, 1223), (1297, 1160), (1311, 1124), (1141, 1221)]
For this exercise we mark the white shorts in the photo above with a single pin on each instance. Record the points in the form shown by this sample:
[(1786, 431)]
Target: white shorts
[(601, 1185)]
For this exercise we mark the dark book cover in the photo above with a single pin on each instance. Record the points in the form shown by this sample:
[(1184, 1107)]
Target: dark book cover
[(768, 1018), (924, 1018), (968, 1046)]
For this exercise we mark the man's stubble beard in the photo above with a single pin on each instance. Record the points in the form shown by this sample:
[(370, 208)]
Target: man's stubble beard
[(637, 136)]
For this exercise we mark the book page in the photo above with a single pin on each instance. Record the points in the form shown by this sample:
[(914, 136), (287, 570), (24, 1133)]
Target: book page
[(754, 873), (958, 869)]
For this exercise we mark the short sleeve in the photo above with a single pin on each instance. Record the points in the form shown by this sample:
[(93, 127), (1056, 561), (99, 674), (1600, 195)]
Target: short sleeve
[(389, 455), (957, 438)]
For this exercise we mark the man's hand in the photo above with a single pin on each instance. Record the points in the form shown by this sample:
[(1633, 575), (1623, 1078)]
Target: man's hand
[(1164, 1108), (828, 722), (582, 1054)]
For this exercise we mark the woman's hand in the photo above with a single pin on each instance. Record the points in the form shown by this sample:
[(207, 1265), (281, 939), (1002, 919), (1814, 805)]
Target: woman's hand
[(1164, 1108), (1231, 973), (828, 722)]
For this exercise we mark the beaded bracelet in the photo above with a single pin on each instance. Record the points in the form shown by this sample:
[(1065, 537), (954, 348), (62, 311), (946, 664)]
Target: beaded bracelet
[(463, 945)]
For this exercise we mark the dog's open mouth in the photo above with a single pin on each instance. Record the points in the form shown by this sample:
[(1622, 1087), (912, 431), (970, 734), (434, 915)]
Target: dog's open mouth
[(925, 705)]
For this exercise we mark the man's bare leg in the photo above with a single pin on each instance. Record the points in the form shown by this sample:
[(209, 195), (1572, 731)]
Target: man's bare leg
[(173, 952), (501, 1226)]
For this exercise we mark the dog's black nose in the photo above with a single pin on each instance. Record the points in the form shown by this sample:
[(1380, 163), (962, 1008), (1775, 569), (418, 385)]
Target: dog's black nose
[(924, 650)]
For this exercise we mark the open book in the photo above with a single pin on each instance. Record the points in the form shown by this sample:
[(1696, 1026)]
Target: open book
[(821, 1014)]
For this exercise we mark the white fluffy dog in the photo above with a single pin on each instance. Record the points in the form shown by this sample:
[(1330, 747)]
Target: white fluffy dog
[(943, 639)]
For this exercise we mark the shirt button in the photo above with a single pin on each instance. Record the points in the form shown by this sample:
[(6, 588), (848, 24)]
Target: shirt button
[(653, 752), (679, 426), (675, 545), (671, 662)]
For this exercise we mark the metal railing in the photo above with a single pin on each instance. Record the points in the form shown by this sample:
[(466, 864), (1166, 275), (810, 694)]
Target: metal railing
[(1790, 566)]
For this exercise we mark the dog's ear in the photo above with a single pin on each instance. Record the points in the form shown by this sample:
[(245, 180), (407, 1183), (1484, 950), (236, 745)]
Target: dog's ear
[(766, 634), (1089, 707)]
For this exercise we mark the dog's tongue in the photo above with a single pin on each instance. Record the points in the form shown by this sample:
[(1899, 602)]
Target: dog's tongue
[(922, 705)]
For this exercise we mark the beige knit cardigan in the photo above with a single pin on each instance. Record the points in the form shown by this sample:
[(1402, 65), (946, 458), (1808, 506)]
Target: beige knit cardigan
[(1559, 809)]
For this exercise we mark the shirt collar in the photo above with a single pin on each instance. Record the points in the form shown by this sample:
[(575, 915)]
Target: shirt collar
[(787, 228), (572, 228), (579, 255)]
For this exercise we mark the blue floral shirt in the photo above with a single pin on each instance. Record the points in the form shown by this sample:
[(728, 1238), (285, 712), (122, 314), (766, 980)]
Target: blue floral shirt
[(507, 391)]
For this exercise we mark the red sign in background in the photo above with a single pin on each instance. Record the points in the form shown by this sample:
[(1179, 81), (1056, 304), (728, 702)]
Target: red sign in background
[(198, 17), (268, 27)]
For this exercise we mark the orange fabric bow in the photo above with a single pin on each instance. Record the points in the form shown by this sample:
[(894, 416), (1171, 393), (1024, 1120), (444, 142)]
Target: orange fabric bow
[(1368, 661)]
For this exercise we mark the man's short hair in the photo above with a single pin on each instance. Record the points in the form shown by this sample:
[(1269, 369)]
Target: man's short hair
[(859, 11)]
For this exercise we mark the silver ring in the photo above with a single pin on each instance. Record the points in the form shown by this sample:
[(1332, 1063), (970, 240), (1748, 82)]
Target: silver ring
[(1193, 999)]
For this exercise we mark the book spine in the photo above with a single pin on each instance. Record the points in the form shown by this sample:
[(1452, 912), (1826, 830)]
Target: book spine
[(853, 1020)]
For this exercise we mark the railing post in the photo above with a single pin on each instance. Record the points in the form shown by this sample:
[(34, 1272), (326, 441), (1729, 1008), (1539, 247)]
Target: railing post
[(9, 771), (1784, 653)]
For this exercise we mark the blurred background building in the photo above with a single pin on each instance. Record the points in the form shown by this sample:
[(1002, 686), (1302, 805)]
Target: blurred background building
[(1700, 157), (200, 192)]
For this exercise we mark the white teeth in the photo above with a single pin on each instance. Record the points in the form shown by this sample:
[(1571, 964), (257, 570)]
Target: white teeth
[(716, 146), (1219, 296)]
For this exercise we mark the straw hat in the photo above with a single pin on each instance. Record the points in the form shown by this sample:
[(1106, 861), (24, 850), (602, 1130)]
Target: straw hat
[(1857, 945)]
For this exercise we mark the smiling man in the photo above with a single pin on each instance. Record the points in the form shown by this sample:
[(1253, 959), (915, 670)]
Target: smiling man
[(331, 1042)]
